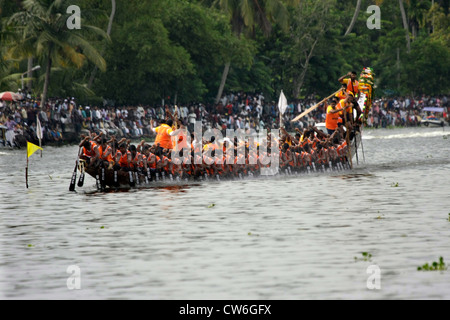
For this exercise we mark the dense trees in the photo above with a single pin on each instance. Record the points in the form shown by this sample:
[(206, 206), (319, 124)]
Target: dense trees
[(182, 51)]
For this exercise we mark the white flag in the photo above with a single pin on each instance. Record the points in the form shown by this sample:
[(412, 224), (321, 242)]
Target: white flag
[(38, 128), (361, 100), (282, 103)]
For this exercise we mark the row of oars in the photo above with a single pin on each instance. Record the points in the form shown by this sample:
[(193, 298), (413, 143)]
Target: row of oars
[(74, 174), (99, 179)]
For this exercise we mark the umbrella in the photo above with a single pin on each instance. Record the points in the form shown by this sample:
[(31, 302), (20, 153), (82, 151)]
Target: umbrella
[(10, 96)]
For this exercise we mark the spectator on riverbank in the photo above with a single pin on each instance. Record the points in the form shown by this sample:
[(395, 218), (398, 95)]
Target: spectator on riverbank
[(60, 118)]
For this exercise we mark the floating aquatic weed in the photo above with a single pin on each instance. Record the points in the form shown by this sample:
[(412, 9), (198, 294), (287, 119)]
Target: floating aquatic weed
[(435, 266), (102, 227), (30, 246), (366, 256), (395, 185), (211, 205)]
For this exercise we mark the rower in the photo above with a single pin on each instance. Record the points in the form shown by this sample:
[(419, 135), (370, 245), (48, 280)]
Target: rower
[(123, 158), (105, 152), (152, 161), (342, 94), (137, 162), (332, 119), (352, 84), (90, 150)]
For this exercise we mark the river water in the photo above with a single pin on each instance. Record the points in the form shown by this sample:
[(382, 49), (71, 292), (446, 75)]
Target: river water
[(287, 238)]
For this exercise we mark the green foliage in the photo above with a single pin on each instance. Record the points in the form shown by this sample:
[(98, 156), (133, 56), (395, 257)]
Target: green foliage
[(434, 266), (366, 256), (177, 48), (426, 70)]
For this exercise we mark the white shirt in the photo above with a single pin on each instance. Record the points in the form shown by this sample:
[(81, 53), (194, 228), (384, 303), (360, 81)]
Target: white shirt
[(192, 118)]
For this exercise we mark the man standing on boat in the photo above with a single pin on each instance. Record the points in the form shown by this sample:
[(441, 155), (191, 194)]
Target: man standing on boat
[(352, 84), (163, 137)]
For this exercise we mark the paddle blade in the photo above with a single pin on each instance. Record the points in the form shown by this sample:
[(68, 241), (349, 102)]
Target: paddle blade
[(81, 181), (73, 180)]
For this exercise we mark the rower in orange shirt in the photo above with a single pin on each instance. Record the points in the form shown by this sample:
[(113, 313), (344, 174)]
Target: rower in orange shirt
[(352, 84), (105, 152), (90, 150), (332, 119), (342, 94)]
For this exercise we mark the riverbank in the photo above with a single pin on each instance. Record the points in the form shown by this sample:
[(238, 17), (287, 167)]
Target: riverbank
[(70, 137)]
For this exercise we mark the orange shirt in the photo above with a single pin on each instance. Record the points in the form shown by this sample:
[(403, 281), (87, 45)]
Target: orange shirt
[(123, 162), (163, 136), (182, 141), (352, 86), (153, 165), (102, 152), (332, 119), (341, 95), (342, 105), (90, 153), (139, 160)]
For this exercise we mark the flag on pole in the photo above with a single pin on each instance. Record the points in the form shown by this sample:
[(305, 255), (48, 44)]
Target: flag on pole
[(282, 106), (282, 103), (32, 148)]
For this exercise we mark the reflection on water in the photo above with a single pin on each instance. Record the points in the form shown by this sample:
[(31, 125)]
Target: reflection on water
[(286, 237), (170, 187), (356, 176)]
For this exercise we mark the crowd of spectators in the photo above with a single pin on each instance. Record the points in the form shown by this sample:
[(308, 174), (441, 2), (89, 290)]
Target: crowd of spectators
[(65, 117), (407, 111)]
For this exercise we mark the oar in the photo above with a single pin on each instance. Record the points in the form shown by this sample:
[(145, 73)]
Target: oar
[(349, 147), (103, 178), (74, 174), (356, 145), (356, 140), (81, 181), (362, 147), (313, 107)]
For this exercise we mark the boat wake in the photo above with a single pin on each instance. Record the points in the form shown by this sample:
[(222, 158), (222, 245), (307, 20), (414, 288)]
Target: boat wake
[(408, 135)]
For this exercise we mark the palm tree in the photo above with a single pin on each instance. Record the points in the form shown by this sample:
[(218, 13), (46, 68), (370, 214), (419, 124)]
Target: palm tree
[(45, 35), (108, 32), (405, 25), (355, 16), (8, 80), (247, 15), (404, 20), (417, 10)]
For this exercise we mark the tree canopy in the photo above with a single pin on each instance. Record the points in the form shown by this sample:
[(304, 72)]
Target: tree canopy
[(174, 51)]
